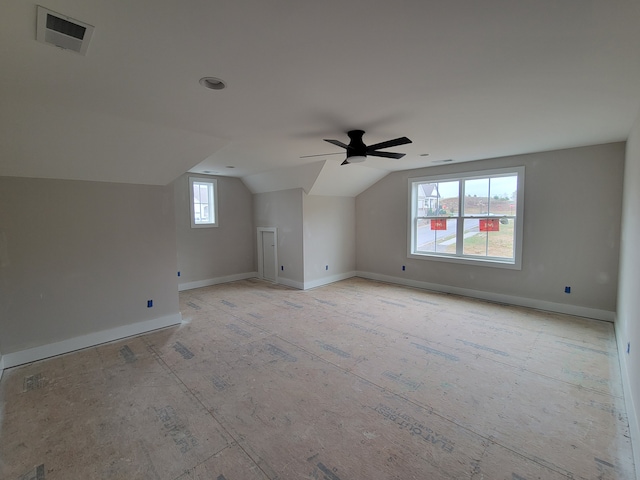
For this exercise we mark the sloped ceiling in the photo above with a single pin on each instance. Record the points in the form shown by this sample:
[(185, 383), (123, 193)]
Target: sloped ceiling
[(465, 80)]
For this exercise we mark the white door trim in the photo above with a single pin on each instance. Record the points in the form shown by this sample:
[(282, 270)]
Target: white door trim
[(261, 230)]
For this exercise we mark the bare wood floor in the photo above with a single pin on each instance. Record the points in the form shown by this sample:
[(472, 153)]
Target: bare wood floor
[(357, 380)]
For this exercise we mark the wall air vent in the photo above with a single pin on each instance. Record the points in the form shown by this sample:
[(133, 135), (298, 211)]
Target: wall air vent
[(62, 31)]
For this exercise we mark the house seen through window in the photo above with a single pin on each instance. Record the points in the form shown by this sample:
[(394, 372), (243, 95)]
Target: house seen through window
[(467, 218)]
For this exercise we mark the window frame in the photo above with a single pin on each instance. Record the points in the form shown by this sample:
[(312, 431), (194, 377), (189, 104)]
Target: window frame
[(515, 263), (213, 199)]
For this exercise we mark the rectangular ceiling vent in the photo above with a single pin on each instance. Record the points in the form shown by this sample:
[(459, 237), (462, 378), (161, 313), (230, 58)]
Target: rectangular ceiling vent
[(63, 31)]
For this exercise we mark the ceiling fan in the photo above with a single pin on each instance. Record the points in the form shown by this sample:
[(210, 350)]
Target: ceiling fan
[(357, 151)]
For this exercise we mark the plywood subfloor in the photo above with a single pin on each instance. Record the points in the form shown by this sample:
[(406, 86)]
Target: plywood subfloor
[(354, 380)]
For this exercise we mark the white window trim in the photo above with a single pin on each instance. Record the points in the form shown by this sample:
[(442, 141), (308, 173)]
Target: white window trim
[(214, 183), (516, 264)]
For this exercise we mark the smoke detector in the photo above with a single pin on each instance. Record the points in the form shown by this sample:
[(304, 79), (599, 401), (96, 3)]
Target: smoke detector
[(62, 31)]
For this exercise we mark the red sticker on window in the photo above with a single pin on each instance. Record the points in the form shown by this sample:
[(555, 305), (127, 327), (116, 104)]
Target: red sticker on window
[(438, 224), (490, 225)]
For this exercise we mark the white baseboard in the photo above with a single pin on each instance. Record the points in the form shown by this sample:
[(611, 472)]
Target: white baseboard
[(290, 283), (634, 427), (315, 283), (327, 280), (496, 297), (215, 281), (89, 340), (287, 282)]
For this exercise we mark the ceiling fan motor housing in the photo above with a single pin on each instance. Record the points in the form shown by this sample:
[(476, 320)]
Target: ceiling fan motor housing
[(357, 148)]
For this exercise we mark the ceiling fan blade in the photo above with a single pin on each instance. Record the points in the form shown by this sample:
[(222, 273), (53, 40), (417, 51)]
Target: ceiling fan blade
[(337, 143), (385, 154), (389, 143), (346, 162), (322, 154)]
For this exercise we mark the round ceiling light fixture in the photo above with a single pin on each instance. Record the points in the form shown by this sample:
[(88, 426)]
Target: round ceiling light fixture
[(213, 83)]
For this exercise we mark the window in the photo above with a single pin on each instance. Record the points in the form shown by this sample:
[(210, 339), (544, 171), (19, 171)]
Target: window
[(468, 218), (204, 203)]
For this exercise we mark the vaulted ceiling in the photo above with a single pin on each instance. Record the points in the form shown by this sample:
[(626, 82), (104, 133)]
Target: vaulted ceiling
[(464, 79)]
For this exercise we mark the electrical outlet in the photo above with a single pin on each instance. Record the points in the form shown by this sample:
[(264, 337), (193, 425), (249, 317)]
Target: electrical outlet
[(149, 303), (326, 267), (628, 347), (178, 273), (282, 267), (567, 289), (403, 268)]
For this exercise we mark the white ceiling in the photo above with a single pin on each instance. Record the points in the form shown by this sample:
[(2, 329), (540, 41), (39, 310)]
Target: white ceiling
[(464, 79)]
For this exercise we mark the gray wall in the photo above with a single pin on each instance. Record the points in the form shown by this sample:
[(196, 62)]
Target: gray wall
[(628, 321), (218, 252), (572, 213), (329, 238), (283, 210), (82, 257)]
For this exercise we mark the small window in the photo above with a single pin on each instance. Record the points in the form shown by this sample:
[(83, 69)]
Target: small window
[(204, 202), (468, 218)]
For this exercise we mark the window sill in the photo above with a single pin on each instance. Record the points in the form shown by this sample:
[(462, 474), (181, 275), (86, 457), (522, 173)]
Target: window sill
[(478, 262), (204, 225)]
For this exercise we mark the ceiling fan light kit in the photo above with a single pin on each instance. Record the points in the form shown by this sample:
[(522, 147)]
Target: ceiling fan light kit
[(357, 151)]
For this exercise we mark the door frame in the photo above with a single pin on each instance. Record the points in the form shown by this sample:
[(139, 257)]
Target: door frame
[(261, 231)]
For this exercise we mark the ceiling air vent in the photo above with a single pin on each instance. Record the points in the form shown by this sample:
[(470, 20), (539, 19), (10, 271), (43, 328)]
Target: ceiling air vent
[(63, 31)]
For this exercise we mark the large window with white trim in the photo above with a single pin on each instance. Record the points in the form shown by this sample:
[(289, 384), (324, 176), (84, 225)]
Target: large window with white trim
[(203, 200), (472, 217)]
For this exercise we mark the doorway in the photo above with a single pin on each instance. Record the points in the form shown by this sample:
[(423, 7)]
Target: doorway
[(267, 254)]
